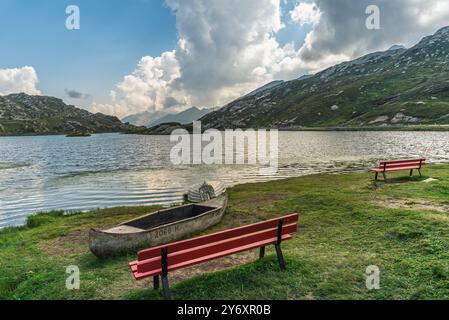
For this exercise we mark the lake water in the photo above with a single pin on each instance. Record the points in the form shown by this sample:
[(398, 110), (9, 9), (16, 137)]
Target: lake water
[(45, 173)]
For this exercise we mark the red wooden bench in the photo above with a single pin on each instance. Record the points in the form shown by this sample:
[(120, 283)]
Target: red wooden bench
[(159, 261), (399, 165)]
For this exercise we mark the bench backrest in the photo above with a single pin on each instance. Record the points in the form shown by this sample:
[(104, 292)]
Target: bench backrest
[(188, 250), (402, 163)]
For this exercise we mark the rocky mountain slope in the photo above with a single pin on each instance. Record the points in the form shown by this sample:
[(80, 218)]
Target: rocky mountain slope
[(396, 87), (22, 114), (270, 85)]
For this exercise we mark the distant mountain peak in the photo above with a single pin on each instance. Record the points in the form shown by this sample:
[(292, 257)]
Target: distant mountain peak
[(270, 85), (444, 30), (305, 77), (151, 119), (396, 47)]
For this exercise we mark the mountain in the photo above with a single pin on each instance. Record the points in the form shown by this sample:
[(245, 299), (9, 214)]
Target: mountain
[(151, 119), (394, 87), (22, 114), (396, 47), (185, 117), (305, 77), (270, 85), (167, 128), (144, 118)]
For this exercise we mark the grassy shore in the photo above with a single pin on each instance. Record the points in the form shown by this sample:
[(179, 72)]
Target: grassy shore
[(347, 223), (406, 128)]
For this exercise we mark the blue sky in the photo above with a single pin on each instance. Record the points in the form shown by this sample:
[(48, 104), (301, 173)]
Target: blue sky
[(114, 35)]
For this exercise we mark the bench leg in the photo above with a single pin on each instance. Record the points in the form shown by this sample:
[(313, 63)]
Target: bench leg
[(280, 256), (420, 174), (165, 284), (385, 177), (262, 253), (156, 282), (166, 287), (377, 176), (411, 173)]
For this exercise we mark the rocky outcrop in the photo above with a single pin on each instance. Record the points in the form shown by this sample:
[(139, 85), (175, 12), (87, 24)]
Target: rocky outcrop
[(22, 114)]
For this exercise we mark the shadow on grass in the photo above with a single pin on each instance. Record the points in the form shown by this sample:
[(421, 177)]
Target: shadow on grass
[(399, 180), (262, 279)]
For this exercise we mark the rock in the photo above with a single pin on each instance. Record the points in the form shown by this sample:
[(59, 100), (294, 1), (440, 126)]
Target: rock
[(380, 119), (402, 118), (430, 180), (335, 108)]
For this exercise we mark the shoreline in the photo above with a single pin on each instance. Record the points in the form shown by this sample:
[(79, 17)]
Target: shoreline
[(70, 212), (423, 128)]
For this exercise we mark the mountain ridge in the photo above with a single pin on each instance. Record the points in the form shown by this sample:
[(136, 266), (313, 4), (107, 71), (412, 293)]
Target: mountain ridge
[(393, 87), (22, 114)]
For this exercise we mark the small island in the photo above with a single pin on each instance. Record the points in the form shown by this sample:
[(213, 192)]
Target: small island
[(78, 135)]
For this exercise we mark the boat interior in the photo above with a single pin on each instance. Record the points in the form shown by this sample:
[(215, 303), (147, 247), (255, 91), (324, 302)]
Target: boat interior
[(168, 216)]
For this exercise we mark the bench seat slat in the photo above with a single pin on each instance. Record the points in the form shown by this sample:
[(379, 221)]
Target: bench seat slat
[(173, 267), (218, 236), (180, 257), (389, 169)]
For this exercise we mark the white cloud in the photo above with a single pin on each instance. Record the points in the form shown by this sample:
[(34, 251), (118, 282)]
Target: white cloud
[(341, 30), (305, 13), (149, 87), (228, 48), (18, 80), (225, 49)]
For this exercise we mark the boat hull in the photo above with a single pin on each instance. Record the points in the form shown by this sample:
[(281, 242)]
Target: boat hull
[(128, 236)]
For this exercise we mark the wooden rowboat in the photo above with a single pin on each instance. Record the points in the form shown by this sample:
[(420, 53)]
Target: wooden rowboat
[(157, 228)]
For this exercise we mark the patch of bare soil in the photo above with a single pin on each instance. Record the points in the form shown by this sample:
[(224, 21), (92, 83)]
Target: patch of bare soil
[(73, 243), (412, 204)]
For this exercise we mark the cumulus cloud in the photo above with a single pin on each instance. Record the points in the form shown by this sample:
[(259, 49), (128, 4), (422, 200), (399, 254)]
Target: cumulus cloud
[(225, 49), (228, 48), (18, 80), (341, 31), (306, 13), (149, 87)]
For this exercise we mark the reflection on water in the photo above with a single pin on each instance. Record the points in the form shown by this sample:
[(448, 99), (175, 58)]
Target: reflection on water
[(45, 173)]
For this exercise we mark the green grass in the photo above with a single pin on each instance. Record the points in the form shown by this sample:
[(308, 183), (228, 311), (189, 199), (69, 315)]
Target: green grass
[(347, 223)]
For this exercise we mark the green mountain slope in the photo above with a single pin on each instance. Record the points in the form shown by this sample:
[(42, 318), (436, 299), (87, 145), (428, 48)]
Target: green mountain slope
[(395, 87), (21, 114)]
